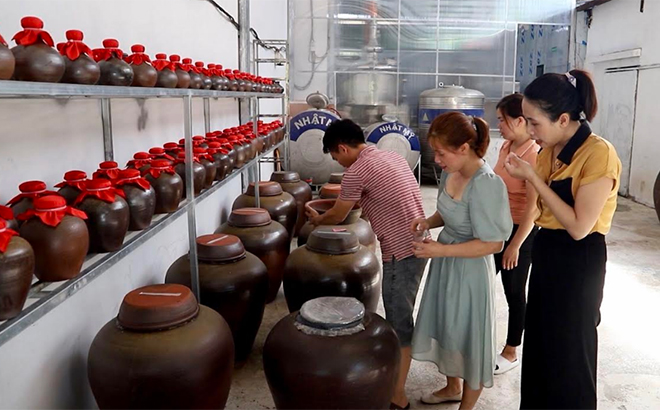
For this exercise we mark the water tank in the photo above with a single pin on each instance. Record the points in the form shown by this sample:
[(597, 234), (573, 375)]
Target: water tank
[(440, 100), (306, 145), (393, 136)]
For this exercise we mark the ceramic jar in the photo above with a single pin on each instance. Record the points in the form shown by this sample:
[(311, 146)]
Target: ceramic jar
[(114, 70), (163, 350), (207, 83), (195, 77), (140, 196), (183, 77), (232, 282), (263, 237), (232, 83), (167, 77), (216, 80), (330, 191), (199, 173), (73, 184), (7, 61), (332, 263), (80, 66), (280, 205), (108, 215), (107, 170), (167, 184), (241, 152), (223, 159), (59, 237), (300, 190), (16, 269), (140, 161), (144, 74), (30, 191), (172, 149), (8, 215), (34, 55), (210, 166), (336, 178), (332, 354)]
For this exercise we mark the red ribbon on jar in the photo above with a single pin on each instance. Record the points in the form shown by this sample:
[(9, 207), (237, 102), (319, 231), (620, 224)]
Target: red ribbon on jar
[(159, 153), (160, 63), (3, 42), (5, 235), (32, 32), (158, 166), (75, 179), (6, 213), (111, 50), (188, 66), (51, 209), (74, 47), (139, 160), (31, 189), (138, 57), (132, 177), (108, 169), (202, 153), (101, 189)]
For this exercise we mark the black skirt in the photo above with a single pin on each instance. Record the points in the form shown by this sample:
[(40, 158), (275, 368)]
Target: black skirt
[(563, 310)]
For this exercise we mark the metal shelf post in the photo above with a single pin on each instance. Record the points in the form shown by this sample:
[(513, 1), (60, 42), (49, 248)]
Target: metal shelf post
[(190, 196), (106, 121)]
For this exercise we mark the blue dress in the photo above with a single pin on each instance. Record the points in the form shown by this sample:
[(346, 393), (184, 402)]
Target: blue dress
[(455, 326)]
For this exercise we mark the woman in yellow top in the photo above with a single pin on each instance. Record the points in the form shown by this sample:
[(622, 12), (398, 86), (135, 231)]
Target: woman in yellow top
[(577, 179)]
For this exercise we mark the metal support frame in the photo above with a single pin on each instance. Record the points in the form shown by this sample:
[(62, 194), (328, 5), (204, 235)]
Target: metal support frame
[(106, 121), (207, 115), (244, 51), (190, 195)]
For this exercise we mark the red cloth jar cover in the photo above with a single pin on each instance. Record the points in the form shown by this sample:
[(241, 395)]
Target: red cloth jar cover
[(32, 32), (107, 168), (139, 160), (6, 213), (111, 49), (138, 57), (5, 235), (188, 65), (74, 47), (200, 68), (158, 166), (175, 59), (3, 42), (161, 63), (132, 177), (51, 209), (101, 189), (181, 158), (74, 179), (159, 153), (31, 189), (202, 153)]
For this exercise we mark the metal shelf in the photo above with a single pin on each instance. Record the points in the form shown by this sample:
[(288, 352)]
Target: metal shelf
[(45, 296), (25, 89)]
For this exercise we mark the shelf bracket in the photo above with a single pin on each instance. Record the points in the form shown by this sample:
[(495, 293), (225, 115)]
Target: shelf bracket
[(106, 121)]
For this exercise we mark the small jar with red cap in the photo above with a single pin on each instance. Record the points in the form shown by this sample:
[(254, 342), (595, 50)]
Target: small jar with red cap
[(241, 85), (160, 153), (16, 270), (140, 196), (140, 161), (72, 186), (108, 215), (195, 77), (59, 237), (144, 74), (183, 77), (210, 166), (216, 81), (207, 83), (167, 77), (8, 215), (114, 70), (34, 55), (241, 150), (80, 66), (30, 191), (232, 83), (172, 149), (107, 170), (7, 60), (222, 158), (167, 184), (199, 173), (223, 78), (199, 141)]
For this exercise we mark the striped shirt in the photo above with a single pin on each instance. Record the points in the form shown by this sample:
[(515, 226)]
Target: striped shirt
[(385, 187)]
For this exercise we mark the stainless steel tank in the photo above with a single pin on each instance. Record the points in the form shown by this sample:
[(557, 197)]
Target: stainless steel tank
[(391, 135), (440, 100)]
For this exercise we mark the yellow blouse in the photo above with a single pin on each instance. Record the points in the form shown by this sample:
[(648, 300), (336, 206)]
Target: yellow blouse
[(585, 159)]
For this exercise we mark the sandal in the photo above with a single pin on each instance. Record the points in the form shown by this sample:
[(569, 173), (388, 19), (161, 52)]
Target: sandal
[(503, 365)]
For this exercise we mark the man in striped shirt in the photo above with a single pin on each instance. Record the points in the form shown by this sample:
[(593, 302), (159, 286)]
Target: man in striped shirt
[(382, 183)]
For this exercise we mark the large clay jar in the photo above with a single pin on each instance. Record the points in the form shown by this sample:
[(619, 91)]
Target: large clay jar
[(107, 170), (7, 61), (336, 178), (232, 282), (223, 159), (167, 77), (332, 355), (30, 191), (162, 351), (108, 215), (140, 161), (332, 263), (199, 173), (280, 205), (352, 223), (59, 237), (207, 83), (183, 78), (167, 184), (80, 66), (140, 196), (8, 215), (300, 190), (35, 57), (265, 238), (73, 184), (330, 191), (210, 166), (114, 70), (144, 74), (16, 269), (195, 78)]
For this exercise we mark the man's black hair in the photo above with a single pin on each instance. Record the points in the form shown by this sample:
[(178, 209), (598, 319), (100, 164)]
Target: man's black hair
[(342, 132)]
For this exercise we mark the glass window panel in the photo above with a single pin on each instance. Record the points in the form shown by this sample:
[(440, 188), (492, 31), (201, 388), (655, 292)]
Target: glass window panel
[(388, 9), (473, 10), (469, 48), (541, 11), (419, 9)]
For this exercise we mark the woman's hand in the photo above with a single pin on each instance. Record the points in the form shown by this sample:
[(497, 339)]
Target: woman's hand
[(510, 257), (419, 224), (518, 168), (429, 249)]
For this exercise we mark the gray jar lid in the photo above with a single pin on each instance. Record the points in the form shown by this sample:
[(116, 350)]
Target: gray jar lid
[(332, 312)]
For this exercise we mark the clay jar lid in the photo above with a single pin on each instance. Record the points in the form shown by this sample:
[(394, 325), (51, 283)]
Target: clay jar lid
[(336, 177), (157, 307), (249, 217), (333, 241), (285, 177), (266, 188), (331, 312), (219, 248), (330, 191)]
